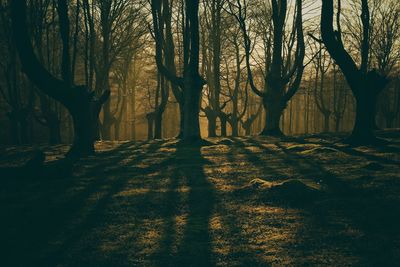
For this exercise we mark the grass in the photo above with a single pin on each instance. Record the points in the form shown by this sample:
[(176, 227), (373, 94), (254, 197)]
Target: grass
[(159, 203)]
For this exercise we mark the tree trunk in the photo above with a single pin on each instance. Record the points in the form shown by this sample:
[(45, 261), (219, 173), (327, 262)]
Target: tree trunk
[(223, 126), (273, 111), (84, 125), (212, 125), (337, 124), (158, 125), (235, 127), (247, 129), (181, 120), (150, 125), (193, 87), (326, 122), (107, 122), (363, 131), (85, 117)]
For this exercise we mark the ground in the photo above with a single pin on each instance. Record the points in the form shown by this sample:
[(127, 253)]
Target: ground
[(159, 203)]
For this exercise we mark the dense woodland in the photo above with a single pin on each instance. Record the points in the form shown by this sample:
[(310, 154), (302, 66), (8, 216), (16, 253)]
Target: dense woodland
[(199, 133), (164, 68)]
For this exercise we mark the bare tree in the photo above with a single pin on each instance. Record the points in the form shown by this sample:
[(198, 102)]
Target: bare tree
[(322, 64), (83, 106), (365, 84), (282, 74), (191, 82), (340, 97)]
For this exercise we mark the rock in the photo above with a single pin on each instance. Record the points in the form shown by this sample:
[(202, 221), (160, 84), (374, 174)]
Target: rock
[(259, 184), (294, 190)]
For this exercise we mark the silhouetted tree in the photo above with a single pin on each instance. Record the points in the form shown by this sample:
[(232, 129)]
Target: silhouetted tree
[(365, 84), (191, 83), (82, 104), (282, 74)]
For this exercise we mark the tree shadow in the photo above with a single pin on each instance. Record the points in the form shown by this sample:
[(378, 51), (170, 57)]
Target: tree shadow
[(369, 212), (61, 216), (194, 249)]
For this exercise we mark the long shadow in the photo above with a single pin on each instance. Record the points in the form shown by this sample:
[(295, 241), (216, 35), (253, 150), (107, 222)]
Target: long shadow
[(195, 249), (256, 160), (350, 150), (240, 249), (49, 222), (376, 216), (310, 169), (93, 216)]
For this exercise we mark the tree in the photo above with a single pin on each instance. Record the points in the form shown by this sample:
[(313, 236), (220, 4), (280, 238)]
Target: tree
[(390, 103), (82, 104), (191, 83), (236, 93), (340, 97), (212, 54), (365, 84), (322, 64), (251, 117), (283, 74), (120, 26)]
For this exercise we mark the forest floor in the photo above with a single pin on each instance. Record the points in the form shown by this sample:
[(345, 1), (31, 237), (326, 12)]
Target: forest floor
[(159, 203)]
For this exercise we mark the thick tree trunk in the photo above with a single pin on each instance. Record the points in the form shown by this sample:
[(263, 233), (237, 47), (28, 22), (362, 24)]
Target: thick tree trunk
[(273, 110), (84, 124), (85, 117), (193, 87), (363, 131)]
